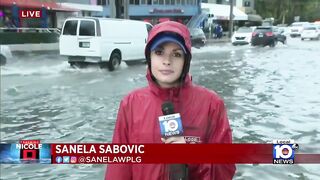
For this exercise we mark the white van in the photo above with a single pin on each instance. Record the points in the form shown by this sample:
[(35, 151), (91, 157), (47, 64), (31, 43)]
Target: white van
[(103, 40)]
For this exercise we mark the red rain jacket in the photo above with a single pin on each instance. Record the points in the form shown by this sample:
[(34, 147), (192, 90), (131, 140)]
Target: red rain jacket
[(203, 115)]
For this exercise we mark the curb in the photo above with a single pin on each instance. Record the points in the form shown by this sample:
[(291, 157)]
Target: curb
[(213, 41)]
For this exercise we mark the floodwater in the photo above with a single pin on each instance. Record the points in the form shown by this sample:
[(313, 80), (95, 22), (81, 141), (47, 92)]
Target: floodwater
[(270, 93)]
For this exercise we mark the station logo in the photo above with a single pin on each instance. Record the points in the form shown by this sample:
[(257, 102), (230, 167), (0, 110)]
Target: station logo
[(284, 151), (171, 125)]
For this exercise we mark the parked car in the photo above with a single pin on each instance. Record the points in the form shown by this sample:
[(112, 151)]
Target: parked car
[(284, 28), (311, 32), (104, 41), (198, 38), (265, 36), (280, 34), (296, 28), (5, 53), (242, 36)]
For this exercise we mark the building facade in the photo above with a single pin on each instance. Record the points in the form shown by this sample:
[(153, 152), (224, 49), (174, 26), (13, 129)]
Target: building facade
[(246, 6), (54, 12), (153, 11), (217, 1), (50, 12), (160, 10)]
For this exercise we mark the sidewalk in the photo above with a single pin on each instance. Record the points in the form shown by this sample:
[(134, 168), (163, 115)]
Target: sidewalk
[(33, 47), (224, 39)]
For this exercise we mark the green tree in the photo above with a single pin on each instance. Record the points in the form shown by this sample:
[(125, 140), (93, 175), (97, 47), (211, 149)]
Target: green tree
[(284, 11)]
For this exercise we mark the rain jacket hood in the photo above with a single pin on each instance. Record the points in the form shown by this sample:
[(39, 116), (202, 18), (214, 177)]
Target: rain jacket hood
[(175, 28)]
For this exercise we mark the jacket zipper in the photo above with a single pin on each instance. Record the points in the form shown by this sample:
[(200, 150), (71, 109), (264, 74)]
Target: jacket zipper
[(171, 95)]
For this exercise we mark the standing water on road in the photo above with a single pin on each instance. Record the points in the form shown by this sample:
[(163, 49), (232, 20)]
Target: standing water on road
[(270, 93)]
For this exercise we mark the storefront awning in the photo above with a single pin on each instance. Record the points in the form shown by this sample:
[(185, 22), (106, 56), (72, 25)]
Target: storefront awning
[(84, 7), (50, 5), (254, 17), (222, 12)]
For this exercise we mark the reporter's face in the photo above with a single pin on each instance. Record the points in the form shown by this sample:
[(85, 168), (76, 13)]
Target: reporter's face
[(167, 62)]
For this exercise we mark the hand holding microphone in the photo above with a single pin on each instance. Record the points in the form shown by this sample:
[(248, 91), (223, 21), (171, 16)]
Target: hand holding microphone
[(171, 125), (172, 132), (174, 140)]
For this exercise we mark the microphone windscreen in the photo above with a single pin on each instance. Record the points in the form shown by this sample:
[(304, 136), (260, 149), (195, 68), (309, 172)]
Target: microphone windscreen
[(167, 108)]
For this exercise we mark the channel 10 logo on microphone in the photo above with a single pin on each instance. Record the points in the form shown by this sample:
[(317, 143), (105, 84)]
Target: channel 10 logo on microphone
[(171, 125), (283, 151)]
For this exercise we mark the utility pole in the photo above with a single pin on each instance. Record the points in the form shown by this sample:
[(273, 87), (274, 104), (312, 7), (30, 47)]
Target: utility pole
[(125, 9), (231, 19), (113, 9)]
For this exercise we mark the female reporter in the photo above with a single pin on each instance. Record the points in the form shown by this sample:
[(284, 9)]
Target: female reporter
[(203, 114)]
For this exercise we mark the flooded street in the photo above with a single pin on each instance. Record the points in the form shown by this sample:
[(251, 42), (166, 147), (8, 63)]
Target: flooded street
[(270, 93)]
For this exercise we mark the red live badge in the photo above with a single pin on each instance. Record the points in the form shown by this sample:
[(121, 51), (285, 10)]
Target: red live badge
[(29, 13)]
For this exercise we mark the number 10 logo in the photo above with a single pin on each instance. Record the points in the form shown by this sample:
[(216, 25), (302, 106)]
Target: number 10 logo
[(171, 125), (283, 151), (283, 154)]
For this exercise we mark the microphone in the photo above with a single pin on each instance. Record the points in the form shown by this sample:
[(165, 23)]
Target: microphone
[(171, 125), (167, 108)]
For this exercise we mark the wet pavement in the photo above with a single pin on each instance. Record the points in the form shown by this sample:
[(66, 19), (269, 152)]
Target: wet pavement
[(270, 93)]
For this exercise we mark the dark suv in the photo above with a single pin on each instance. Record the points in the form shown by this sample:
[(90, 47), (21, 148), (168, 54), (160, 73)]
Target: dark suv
[(265, 36), (280, 34)]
